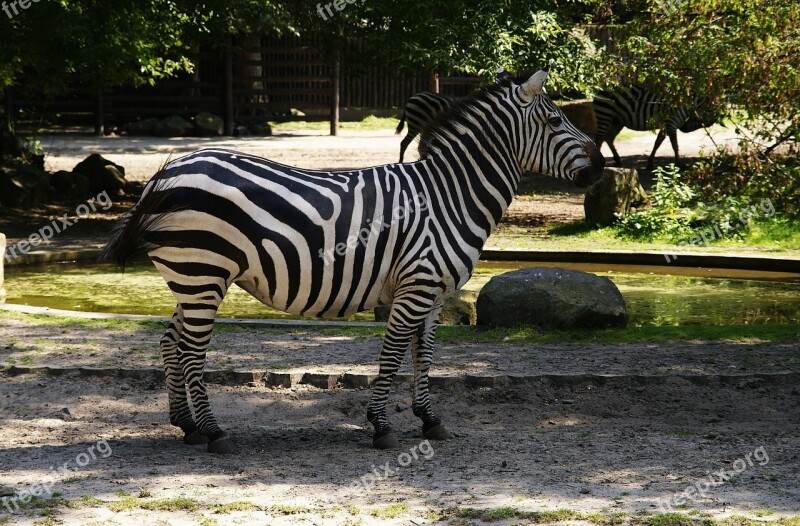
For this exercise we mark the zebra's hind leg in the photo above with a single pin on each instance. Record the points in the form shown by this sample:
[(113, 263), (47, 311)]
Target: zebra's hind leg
[(422, 351), (198, 324), (405, 142), (180, 414), (408, 313)]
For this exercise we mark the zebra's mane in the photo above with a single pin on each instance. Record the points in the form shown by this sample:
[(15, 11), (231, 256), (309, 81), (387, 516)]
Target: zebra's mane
[(451, 122)]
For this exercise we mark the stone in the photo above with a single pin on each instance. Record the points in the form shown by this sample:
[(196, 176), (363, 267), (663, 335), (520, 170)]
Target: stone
[(2, 262), (174, 126), (581, 114), (143, 127), (261, 129), (551, 298), (71, 184), (102, 174), (321, 380), (241, 131), (23, 185), (459, 309), (613, 195), (208, 125)]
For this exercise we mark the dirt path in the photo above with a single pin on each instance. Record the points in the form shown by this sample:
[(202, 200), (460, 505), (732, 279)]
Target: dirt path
[(585, 448)]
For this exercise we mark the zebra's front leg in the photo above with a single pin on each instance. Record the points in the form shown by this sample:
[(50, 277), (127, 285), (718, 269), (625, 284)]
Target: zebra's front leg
[(180, 414), (422, 351), (408, 313)]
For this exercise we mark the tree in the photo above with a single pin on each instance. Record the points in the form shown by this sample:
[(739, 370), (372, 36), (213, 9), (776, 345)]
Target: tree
[(746, 52)]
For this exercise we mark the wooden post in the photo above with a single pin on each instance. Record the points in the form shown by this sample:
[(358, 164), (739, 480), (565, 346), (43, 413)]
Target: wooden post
[(228, 90), (433, 79), (335, 96), (99, 117)]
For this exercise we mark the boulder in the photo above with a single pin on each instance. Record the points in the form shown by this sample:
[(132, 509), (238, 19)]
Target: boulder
[(143, 127), (616, 193), (2, 261), (22, 185), (174, 126), (241, 131), (208, 124), (262, 129), (551, 298), (71, 184), (102, 174), (581, 114), (459, 309)]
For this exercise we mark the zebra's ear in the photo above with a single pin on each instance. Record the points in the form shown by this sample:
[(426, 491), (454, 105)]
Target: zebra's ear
[(503, 78), (533, 86)]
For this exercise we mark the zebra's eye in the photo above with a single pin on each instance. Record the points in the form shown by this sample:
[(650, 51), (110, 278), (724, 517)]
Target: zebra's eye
[(554, 121)]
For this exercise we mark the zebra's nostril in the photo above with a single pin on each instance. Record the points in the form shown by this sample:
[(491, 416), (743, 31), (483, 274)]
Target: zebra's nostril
[(597, 159)]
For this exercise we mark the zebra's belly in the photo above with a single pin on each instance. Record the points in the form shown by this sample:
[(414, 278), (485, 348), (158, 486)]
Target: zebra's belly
[(327, 301)]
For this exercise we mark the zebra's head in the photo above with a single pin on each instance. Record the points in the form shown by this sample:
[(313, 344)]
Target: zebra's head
[(549, 143)]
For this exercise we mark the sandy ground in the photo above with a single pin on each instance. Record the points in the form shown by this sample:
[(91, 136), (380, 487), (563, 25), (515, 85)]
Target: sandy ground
[(586, 448)]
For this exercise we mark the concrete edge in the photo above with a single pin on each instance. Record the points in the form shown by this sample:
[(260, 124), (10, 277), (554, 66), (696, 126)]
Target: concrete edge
[(347, 380), (648, 258), (618, 257)]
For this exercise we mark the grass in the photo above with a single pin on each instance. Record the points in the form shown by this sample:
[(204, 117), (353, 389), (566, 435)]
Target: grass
[(369, 123), (777, 236), (604, 518), (477, 334), (391, 511), (176, 504)]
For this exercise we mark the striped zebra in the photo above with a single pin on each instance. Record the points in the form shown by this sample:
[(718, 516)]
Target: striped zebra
[(420, 110), (330, 244), (636, 108)]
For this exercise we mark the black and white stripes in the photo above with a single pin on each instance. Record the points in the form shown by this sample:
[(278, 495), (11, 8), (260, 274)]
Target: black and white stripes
[(216, 218), (636, 108), (420, 110)]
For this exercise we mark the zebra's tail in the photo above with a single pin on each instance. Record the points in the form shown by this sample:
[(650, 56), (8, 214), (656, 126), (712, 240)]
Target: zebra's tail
[(129, 236), (402, 123)]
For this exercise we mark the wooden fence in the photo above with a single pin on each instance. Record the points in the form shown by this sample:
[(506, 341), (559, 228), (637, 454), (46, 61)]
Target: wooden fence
[(258, 79)]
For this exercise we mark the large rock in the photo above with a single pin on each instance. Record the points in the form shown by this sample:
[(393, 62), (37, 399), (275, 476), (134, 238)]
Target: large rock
[(208, 125), (581, 114), (459, 309), (22, 185), (616, 193), (143, 127), (2, 262), (103, 175), (551, 298), (174, 126)]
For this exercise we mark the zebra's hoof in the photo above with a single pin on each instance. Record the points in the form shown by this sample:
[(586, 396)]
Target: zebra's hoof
[(387, 441), (437, 433), (222, 446), (194, 438)]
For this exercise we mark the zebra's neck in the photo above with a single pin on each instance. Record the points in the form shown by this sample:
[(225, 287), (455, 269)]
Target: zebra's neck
[(474, 158)]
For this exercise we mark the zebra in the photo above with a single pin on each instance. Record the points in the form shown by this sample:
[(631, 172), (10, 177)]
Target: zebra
[(420, 110), (217, 217), (638, 109)]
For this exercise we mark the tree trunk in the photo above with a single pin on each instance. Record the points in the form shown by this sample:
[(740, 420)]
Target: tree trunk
[(335, 70), (433, 79), (228, 89)]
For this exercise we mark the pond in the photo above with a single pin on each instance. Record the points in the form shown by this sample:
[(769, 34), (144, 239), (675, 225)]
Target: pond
[(654, 295)]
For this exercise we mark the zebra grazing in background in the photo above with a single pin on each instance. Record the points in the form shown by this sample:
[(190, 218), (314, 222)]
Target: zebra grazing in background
[(636, 108), (330, 244), (420, 110)]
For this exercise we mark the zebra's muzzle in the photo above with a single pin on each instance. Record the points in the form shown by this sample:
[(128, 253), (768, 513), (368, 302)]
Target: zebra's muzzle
[(594, 171)]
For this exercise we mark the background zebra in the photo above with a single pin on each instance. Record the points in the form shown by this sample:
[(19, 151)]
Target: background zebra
[(216, 218), (636, 108), (420, 110)]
